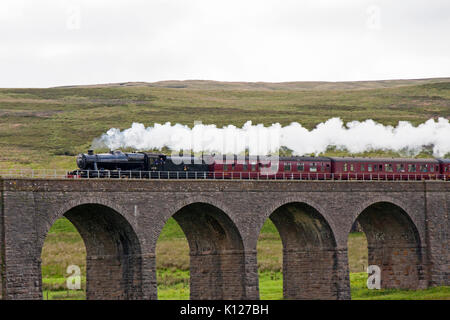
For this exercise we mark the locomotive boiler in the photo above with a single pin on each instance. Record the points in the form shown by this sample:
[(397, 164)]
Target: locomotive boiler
[(115, 160)]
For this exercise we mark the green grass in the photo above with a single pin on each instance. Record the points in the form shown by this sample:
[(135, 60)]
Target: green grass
[(173, 284), (270, 285), (64, 246), (360, 292), (45, 128), (64, 295), (62, 226), (172, 230)]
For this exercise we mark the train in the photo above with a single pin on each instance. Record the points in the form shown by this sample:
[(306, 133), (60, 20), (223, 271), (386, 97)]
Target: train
[(118, 164)]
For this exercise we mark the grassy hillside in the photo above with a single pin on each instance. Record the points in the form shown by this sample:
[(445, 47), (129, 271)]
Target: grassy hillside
[(298, 85), (45, 128)]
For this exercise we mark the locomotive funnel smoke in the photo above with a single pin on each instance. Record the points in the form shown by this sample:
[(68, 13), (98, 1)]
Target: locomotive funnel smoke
[(355, 137)]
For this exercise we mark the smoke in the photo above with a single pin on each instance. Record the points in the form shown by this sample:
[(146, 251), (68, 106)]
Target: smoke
[(354, 137)]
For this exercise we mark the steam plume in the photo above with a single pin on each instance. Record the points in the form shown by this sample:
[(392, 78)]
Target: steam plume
[(355, 137)]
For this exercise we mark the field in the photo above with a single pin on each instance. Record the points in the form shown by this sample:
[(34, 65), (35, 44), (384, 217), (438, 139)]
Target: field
[(45, 128), (64, 246)]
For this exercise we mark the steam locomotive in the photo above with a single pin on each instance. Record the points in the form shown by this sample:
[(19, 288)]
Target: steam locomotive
[(118, 164)]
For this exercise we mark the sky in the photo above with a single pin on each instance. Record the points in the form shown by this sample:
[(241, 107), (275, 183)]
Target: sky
[(62, 42)]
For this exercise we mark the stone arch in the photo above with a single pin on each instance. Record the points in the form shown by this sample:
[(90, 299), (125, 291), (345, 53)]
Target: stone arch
[(113, 250), (394, 244), (217, 260), (309, 252), (361, 206), (318, 206), (213, 201), (50, 217)]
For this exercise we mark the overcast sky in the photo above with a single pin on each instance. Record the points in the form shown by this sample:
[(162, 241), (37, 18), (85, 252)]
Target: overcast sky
[(51, 43)]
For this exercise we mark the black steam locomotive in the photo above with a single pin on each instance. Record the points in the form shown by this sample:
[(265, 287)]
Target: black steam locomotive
[(118, 164)]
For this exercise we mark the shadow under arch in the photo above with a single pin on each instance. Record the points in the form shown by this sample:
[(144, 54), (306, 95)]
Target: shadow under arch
[(309, 252), (113, 252), (394, 245), (217, 261)]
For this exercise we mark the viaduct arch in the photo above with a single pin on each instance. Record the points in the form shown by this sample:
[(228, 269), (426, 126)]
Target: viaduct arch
[(309, 252), (216, 252), (393, 244)]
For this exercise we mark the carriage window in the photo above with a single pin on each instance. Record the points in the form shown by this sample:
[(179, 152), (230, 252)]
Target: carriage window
[(388, 167), (287, 166), (313, 167), (345, 167), (423, 168), (300, 166), (253, 166), (363, 168), (225, 167), (431, 168), (381, 167), (369, 167), (245, 167), (375, 167), (411, 168), (400, 167), (273, 166), (322, 167), (351, 167)]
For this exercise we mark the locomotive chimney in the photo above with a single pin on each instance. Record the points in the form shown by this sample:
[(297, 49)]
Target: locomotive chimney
[(90, 152)]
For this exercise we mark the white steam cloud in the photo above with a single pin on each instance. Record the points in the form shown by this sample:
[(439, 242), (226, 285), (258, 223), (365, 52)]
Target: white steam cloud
[(355, 137)]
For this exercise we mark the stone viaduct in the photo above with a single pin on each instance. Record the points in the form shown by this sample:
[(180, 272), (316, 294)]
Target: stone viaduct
[(406, 224)]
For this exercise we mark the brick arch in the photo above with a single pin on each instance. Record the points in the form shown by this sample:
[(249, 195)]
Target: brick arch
[(394, 244), (194, 199), (276, 204), (309, 250), (317, 206), (217, 259), (59, 212), (113, 249), (361, 206)]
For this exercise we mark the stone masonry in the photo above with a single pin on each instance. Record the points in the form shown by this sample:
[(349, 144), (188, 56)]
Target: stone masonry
[(406, 224)]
